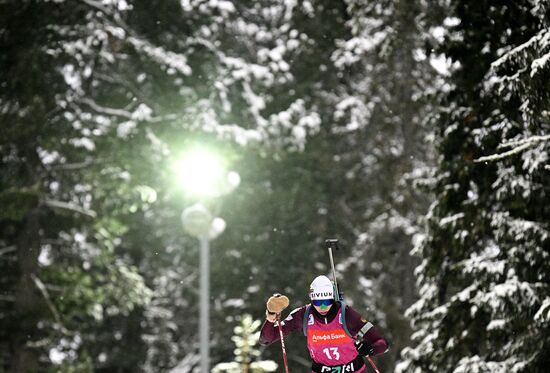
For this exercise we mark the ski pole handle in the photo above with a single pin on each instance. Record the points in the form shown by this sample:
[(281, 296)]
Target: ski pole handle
[(282, 342)]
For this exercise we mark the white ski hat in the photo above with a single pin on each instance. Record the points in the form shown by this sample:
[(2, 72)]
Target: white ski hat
[(321, 288)]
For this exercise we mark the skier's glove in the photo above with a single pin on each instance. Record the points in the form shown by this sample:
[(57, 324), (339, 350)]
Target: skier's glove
[(275, 304), (364, 348)]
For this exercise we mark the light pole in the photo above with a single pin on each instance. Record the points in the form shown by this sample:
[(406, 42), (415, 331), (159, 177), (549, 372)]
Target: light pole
[(204, 175), (198, 222), (204, 309)]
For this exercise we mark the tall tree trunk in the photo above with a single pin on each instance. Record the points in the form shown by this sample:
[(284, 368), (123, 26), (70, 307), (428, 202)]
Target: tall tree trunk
[(410, 126), (27, 299)]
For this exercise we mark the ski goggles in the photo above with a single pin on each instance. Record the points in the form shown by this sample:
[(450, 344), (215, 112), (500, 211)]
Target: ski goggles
[(322, 303)]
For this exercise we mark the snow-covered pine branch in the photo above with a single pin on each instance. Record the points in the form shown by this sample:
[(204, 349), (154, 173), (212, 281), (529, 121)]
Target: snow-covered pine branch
[(519, 146), (531, 140), (8, 249), (40, 286), (68, 206)]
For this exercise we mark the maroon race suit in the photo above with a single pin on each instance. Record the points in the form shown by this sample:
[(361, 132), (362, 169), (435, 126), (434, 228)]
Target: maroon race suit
[(353, 321)]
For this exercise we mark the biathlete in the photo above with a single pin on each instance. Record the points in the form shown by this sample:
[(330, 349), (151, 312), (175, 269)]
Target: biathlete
[(337, 336)]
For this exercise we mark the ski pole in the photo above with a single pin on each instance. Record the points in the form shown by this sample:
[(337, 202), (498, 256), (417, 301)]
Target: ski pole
[(330, 244), (373, 365), (282, 342)]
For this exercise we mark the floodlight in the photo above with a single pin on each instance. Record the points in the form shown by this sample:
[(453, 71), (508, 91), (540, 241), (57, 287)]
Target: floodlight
[(201, 173)]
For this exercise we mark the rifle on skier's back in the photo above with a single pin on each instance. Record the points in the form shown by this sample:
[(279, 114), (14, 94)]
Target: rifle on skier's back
[(330, 244)]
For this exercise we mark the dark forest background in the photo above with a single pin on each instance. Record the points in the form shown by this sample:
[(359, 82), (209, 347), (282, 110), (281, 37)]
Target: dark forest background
[(416, 132)]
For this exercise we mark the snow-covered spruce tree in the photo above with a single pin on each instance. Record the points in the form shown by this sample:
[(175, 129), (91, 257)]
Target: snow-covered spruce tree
[(358, 70), (60, 277), (485, 274), (240, 53), (379, 131), (92, 93), (246, 352)]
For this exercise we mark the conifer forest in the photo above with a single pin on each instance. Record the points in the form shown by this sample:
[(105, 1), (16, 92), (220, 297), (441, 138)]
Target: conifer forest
[(138, 135)]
